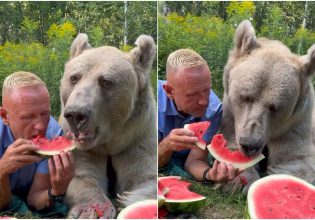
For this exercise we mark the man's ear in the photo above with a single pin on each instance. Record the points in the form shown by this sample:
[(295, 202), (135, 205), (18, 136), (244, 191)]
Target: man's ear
[(4, 116), (169, 91)]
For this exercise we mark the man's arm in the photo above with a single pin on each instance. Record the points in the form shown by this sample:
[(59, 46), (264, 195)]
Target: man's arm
[(61, 169), (16, 156), (5, 190), (196, 164), (164, 154), (177, 140)]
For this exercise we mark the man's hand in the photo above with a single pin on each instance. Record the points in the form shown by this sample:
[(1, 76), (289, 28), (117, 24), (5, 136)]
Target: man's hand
[(177, 140), (222, 172), (61, 168), (180, 139), (18, 154)]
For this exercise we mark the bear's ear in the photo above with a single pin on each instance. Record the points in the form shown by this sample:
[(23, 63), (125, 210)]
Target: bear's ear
[(80, 43), (309, 61), (245, 38), (144, 54)]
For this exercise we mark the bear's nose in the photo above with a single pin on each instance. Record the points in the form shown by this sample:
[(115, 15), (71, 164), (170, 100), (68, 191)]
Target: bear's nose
[(77, 119), (250, 146)]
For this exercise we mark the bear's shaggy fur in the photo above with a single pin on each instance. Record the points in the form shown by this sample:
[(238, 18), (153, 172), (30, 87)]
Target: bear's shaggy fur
[(268, 102), (107, 102)]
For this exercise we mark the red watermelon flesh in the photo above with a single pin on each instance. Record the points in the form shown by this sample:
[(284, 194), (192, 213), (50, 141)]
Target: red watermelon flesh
[(146, 209), (281, 196), (179, 198), (143, 213), (51, 147), (178, 189), (222, 153), (199, 129)]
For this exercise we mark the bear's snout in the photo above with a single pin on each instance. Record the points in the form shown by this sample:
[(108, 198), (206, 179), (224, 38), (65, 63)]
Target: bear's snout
[(77, 118), (251, 146)]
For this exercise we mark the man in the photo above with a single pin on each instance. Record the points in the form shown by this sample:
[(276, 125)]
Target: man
[(25, 113), (186, 97)]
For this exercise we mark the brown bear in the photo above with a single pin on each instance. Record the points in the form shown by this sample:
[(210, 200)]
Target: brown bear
[(108, 105), (268, 103)]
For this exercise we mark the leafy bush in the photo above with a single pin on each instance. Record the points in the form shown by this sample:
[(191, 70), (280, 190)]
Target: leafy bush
[(212, 36), (45, 61)]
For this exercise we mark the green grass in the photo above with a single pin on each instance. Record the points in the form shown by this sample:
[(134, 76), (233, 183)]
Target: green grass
[(219, 204)]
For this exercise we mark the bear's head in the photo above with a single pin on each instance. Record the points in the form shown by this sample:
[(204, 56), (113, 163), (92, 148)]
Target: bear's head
[(267, 89), (100, 88)]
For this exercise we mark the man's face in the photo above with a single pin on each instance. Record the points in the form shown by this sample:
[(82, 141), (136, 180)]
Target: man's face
[(26, 110), (190, 90)]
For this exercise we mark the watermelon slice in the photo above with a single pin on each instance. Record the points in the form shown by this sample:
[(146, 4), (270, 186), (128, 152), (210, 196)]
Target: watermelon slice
[(161, 198), (179, 198), (199, 129), (51, 147), (146, 209), (281, 196), (161, 192), (222, 153)]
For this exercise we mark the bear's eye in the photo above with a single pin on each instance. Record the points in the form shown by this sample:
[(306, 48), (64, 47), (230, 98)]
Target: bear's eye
[(105, 83), (246, 99), (74, 79), (272, 108)]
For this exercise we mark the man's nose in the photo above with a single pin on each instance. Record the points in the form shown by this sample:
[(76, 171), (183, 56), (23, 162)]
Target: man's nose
[(203, 101), (39, 125)]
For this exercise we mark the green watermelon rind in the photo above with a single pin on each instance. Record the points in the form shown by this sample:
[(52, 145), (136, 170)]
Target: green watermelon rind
[(131, 207), (177, 206), (240, 165), (250, 201), (184, 205), (161, 199)]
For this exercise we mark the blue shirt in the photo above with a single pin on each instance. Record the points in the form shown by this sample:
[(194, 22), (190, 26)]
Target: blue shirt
[(169, 118), (21, 180)]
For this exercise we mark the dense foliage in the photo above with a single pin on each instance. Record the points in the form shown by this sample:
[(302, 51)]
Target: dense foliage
[(36, 36), (208, 28)]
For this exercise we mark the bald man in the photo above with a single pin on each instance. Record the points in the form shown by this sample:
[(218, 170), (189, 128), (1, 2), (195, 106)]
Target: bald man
[(25, 113), (186, 97)]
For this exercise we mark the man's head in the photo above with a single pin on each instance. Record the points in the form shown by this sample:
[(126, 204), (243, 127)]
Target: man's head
[(25, 105), (188, 82)]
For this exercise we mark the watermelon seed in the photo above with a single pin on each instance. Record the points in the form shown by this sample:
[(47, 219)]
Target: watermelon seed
[(270, 209), (291, 197), (286, 187), (298, 197)]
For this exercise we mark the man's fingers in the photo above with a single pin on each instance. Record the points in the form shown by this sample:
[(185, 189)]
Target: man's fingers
[(182, 132), (184, 147), (19, 142), (58, 166), (26, 159), (70, 157), (232, 172), (51, 166), (25, 149), (240, 170), (184, 139), (67, 165), (223, 174)]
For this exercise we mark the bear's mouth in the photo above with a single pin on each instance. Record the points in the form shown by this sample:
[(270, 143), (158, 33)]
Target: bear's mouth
[(85, 137)]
